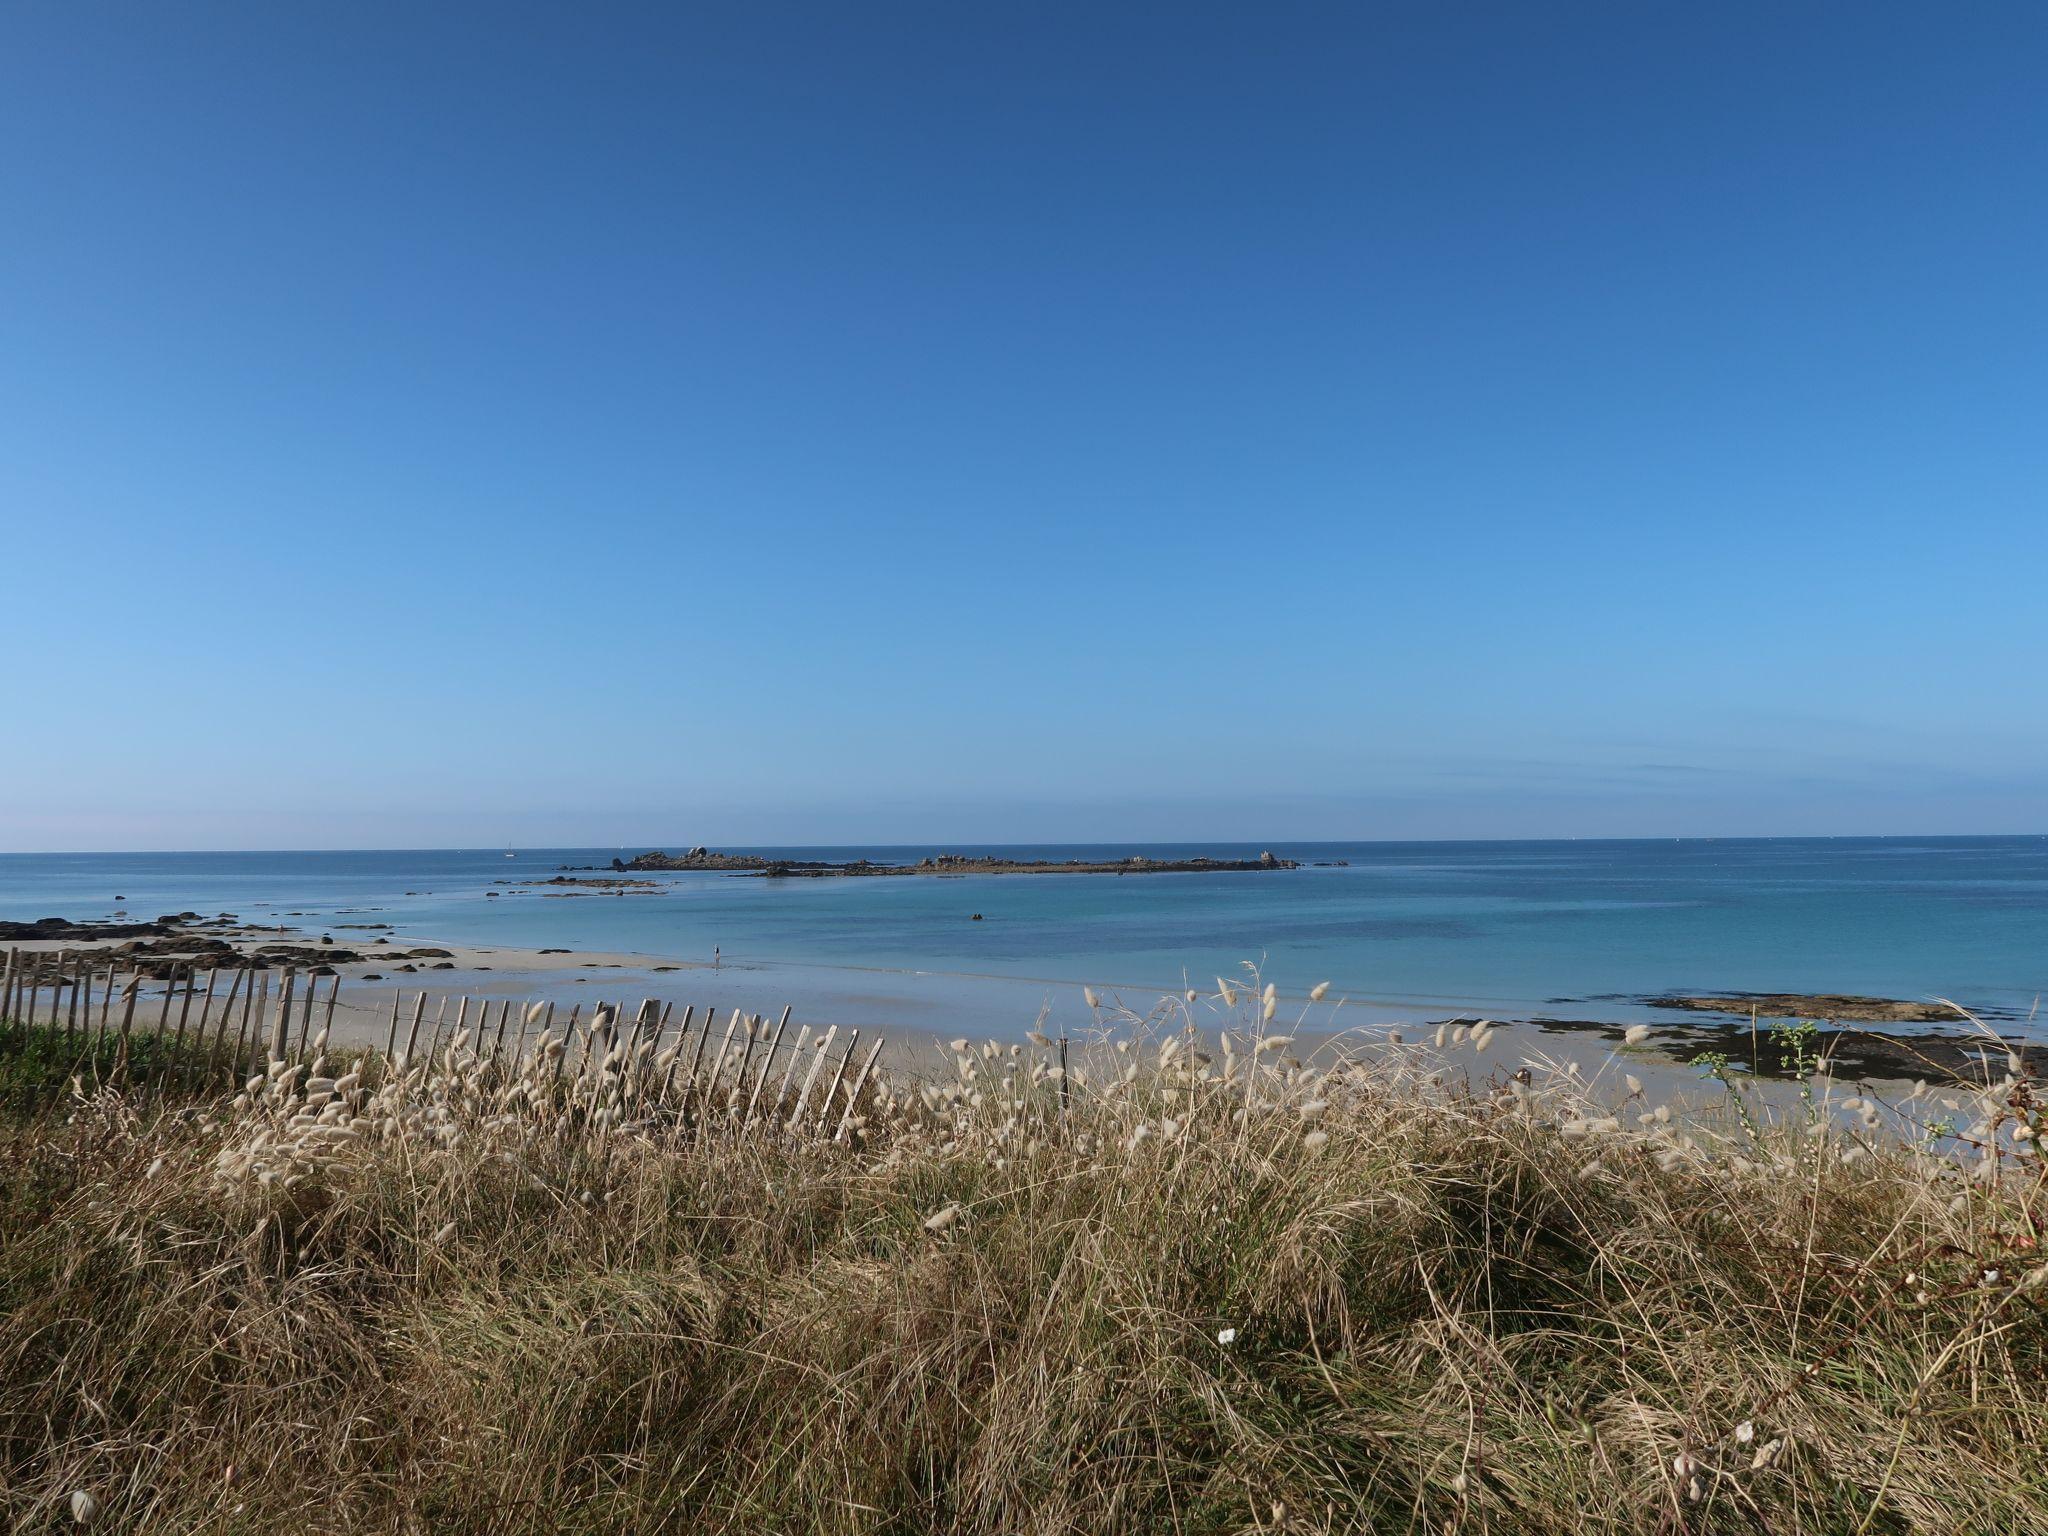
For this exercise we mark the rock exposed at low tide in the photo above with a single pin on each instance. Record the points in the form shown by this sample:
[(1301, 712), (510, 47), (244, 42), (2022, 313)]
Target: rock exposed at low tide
[(940, 864)]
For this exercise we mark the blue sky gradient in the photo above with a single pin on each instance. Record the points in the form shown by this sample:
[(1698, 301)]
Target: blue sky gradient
[(467, 424)]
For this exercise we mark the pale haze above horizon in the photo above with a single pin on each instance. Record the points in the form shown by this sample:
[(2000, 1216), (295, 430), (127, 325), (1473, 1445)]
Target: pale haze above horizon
[(470, 425)]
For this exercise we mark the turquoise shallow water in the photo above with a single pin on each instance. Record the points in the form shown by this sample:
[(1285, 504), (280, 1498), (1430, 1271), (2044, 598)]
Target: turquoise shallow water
[(1508, 928)]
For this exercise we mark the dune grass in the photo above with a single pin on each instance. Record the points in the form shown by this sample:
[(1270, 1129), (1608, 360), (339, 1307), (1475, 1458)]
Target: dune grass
[(1413, 1289)]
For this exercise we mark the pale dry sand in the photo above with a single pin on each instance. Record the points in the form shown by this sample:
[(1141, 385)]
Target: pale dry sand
[(363, 1014), (916, 1013)]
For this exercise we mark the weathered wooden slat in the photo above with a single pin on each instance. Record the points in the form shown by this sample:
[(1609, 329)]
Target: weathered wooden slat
[(822, 1046), (825, 1109), (853, 1093), (767, 1064)]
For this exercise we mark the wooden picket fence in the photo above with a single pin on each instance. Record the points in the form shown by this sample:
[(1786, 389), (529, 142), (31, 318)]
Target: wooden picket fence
[(692, 1070)]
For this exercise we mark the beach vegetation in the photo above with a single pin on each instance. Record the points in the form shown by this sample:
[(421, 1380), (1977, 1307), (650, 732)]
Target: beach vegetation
[(1168, 1278)]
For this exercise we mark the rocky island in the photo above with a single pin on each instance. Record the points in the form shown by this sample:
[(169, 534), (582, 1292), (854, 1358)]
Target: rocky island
[(942, 864)]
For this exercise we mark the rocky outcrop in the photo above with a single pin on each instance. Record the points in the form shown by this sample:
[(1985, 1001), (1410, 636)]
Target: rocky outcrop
[(63, 929), (940, 864), (1832, 1006), (696, 858)]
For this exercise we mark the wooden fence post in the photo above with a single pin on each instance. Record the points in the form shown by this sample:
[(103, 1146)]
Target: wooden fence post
[(280, 1028), (803, 1095), (853, 1093), (825, 1109), (767, 1062)]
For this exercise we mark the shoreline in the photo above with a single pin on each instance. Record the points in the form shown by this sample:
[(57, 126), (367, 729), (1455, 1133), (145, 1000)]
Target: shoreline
[(920, 1008)]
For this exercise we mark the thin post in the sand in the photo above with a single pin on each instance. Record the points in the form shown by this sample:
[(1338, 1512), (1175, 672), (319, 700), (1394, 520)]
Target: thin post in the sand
[(821, 1046), (639, 1018), (838, 1077), (185, 1006), (35, 981), (391, 1035), (306, 1014), (433, 1045), (568, 1035), (163, 1016), (635, 1064), (755, 1030), (127, 1022), (84, 963), (280, 1027), (629, 1044), (461, 1018), (205, 1009), (106, 1009), (796, 1052), (327, 1018), (75, 1039), (412, 1038), (220, 1033), (107, 1002), (697, 1056), (668, 1076), (767, 1062), (654, 1056), (592, 1046), (184, 1018), (504, 1013), (853, 1093), (7, 987), (254, 1005), (525, 1023), (708, 1089)]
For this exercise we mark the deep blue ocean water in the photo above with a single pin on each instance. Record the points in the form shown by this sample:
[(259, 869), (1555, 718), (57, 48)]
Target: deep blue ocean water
[(1509, 928)]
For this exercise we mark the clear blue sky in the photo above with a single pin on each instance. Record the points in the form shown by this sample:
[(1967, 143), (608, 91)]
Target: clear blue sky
[(449, 424)]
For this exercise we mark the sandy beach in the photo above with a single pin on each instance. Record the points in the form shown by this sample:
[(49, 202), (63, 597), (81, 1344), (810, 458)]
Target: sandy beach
[(918, 1013)]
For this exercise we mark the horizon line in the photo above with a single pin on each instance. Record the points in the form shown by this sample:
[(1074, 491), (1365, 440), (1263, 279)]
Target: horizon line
[(1370, 842)]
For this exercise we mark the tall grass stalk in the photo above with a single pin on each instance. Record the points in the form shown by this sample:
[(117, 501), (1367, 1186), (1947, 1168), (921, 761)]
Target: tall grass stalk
[(1397, 1287)]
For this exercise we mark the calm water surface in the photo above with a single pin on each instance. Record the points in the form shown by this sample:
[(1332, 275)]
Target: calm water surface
[(1512, 928)]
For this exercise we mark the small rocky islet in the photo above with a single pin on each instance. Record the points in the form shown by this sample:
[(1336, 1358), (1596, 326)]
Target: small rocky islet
[(703, 859)]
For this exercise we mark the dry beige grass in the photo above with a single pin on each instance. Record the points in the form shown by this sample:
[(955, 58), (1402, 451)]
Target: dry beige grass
[(1171, 1293)]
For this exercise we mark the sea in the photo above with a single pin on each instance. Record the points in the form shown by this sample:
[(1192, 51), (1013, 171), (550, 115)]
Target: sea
[(1508, 930)]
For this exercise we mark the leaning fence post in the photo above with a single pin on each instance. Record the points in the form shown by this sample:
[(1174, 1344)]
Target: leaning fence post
[(822, 1046), (412, 1038), (254, 1007), (327, 1018), (35, 981), (675, 1056), (690, 1095), (127, 1023), (853, 1093), (498, 1045), (280, 1028), (220, 1034), (706, 1094), (825, 1109), (767, 1063), (83, 963)]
